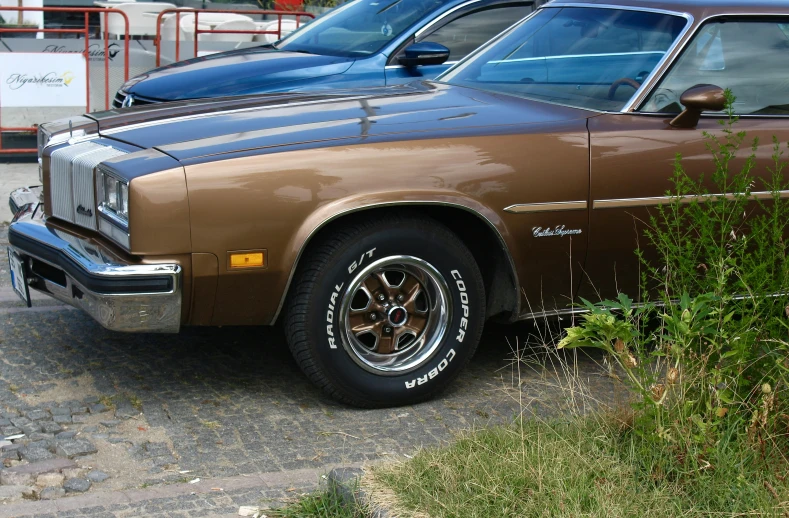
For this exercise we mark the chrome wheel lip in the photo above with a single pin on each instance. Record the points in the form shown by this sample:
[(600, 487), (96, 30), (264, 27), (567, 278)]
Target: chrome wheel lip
[(424, 347)]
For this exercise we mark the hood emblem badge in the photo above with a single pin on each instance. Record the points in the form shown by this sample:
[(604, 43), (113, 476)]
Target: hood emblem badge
[(84, 212), (558, 230)]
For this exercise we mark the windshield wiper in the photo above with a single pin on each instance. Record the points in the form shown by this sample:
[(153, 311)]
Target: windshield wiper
[(389, 6)]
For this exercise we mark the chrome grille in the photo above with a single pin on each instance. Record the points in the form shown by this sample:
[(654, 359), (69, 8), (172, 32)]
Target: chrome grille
[(117, 102), (71, 178)]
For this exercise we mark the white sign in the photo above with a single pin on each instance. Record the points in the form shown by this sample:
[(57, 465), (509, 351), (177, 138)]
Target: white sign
[(42, 79)]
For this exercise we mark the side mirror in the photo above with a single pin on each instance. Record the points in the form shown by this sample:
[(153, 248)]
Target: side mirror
[(697, 99), (424, 53)]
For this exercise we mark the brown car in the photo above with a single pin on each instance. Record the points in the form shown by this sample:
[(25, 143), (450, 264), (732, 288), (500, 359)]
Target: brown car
[(383, 227)]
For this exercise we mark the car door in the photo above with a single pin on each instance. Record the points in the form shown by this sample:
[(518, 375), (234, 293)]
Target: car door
[(462, 31), (632, 154)]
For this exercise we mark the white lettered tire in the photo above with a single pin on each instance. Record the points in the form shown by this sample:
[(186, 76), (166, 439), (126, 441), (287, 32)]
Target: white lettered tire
[(386, 312)]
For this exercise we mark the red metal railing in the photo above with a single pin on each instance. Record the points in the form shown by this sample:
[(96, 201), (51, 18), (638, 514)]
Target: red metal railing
[(85, 32), (198, 30)]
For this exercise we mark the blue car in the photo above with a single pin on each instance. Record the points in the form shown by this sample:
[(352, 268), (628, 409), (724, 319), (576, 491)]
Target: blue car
[(362, 43)]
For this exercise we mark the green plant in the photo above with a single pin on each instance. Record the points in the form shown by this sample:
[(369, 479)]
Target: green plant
[(710, 356), (326, 503)]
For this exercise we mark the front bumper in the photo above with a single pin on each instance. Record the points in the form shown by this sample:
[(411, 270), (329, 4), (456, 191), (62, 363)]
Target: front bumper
[(121, 296)]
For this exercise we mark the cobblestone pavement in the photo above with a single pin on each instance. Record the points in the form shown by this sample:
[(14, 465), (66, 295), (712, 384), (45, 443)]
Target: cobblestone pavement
[(216, 497), (224, 503), (223, 402)]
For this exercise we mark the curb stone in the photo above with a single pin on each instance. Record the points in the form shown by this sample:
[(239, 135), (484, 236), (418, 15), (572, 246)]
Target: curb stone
[(345, 484), (140, 502)]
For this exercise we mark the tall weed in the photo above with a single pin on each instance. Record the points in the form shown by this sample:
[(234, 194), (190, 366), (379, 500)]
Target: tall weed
[(708, 357)]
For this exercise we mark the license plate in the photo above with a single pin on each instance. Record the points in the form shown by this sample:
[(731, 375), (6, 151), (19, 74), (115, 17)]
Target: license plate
[(18, 279)]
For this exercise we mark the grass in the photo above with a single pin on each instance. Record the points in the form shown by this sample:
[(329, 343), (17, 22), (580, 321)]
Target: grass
[(578, 466), (110, 401), (135, 401), (211, 425), (321, 504), (107, 401)]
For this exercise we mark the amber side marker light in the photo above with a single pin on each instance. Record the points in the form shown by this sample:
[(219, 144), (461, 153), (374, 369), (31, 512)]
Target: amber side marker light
[(242, 259)]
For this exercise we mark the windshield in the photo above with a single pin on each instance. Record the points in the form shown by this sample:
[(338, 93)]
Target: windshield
[(358, 28), (578, 56)]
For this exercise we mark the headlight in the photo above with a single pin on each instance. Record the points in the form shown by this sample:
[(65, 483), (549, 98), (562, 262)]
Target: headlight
[(113, 206), (115, 195)]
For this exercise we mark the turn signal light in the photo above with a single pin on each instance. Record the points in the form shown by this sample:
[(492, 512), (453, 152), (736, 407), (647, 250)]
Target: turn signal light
[(247, 259)]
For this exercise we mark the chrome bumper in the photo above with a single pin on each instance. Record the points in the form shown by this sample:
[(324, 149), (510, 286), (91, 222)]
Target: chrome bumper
[(120, 296)]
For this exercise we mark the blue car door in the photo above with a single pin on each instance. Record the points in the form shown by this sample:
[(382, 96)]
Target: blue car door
[(462, 31)]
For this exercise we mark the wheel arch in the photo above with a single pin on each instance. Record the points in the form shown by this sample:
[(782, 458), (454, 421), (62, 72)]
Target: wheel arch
[(471, 226)]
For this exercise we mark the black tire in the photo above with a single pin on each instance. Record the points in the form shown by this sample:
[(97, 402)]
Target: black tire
[(343, 363)]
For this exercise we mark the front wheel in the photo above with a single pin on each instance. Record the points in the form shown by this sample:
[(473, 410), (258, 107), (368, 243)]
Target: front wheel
[(386, 312)]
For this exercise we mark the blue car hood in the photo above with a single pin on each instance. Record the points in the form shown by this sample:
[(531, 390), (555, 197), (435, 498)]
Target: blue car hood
[(237, 72)]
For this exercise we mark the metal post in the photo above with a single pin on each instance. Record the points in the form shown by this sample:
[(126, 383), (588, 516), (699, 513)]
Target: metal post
[(87, 62), (106, 62)]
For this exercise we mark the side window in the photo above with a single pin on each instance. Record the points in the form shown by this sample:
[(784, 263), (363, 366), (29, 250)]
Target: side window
[(750, 58), (463, 35), (600, 34)]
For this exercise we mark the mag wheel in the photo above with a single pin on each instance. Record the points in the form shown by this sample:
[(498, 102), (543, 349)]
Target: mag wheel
[(386, 312), (394, 314)]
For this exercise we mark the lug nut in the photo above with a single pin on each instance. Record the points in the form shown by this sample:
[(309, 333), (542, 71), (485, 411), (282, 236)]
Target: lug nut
[(387, 329), (381, 297), (373, 317), (400, 298)]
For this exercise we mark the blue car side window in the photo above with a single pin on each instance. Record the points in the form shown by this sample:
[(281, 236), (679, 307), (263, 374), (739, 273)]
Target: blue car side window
[(359, 28), (463, 35)]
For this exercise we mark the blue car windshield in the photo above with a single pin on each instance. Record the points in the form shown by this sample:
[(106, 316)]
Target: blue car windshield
[(358, 28), (585, 57)]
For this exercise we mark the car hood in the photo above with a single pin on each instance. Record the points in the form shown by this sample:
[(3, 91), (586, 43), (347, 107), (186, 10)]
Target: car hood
[(202, 131), (237, 72)]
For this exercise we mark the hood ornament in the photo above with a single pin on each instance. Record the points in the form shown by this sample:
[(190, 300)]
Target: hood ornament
[(70, 129)]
